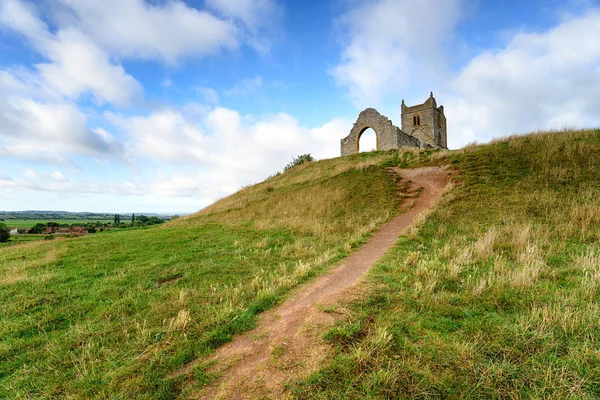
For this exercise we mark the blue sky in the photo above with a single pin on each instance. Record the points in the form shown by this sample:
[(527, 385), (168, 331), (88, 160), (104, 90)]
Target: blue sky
[(169, 105)]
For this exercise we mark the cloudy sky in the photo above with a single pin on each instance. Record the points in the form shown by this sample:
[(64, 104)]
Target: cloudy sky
[(168, 105)]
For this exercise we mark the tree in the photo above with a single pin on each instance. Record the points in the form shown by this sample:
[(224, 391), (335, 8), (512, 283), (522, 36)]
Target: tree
[(4, 233), (301, 159), (38, 228), (117, 219), (155, 221), (132, 219)]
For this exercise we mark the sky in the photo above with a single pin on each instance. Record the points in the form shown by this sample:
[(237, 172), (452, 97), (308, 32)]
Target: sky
[(170, 105)]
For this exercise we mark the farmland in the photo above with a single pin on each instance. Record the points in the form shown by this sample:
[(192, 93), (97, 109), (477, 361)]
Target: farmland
[(28, 223)]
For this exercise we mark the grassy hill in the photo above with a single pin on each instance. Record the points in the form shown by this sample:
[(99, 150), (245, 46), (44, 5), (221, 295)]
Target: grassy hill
[(495, 295), (113, 314)]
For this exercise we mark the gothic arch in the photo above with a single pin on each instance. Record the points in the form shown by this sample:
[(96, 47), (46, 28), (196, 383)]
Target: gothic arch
[(385, 131), (360, 135)]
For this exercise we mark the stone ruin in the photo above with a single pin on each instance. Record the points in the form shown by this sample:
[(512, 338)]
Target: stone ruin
[(423, 126)]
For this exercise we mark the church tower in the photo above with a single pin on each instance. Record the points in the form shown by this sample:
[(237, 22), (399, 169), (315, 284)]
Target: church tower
[(426, 122)]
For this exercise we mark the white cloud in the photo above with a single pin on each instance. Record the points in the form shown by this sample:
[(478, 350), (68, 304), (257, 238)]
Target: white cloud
[(48, 182), (255, 14), (220, 150), (77, 65), (545, 80), (22, 17), (92, 37), (260, 17), (46, 130), (391, 44), (198, 158), (164, 136), (166, 31)]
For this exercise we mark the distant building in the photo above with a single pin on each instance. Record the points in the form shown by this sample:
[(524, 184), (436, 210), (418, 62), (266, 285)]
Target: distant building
[(78, 230), (14, 231)]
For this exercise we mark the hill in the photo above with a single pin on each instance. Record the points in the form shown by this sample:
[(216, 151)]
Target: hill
[(493, 295), (116, 313)]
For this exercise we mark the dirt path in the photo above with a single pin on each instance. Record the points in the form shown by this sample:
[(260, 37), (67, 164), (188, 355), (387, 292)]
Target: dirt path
[(287, 343)]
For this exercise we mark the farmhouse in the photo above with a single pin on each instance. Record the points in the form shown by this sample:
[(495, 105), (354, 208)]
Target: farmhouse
[(423, 125)]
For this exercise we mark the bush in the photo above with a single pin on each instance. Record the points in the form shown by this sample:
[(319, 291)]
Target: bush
[(38, 228), (4, 233), (155, 221), (301, 159), (49, 237)]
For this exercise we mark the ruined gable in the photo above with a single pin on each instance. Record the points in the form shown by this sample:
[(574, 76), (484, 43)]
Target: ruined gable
[(423, 125)]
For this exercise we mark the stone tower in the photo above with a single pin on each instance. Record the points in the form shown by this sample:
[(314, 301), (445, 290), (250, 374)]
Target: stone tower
[(426, 122)]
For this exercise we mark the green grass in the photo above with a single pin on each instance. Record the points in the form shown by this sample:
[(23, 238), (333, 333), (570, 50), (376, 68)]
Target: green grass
[(113, 315), (495, 295), (28, 223), (20, 239)]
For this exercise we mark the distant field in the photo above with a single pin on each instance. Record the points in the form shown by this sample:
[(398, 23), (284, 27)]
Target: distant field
[(28, 223), (18, 239)]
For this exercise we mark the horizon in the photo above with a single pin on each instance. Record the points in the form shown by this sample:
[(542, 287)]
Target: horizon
[(176, 104), (2, 212)]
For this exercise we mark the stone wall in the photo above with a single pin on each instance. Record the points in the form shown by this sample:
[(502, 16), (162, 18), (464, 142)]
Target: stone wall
[(430, 132), (386, 132)]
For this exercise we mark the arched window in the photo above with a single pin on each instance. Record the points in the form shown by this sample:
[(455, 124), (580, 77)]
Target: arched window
[(416, 120)]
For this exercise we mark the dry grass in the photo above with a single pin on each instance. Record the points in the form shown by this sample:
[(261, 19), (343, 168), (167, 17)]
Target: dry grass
[(494, 294), (304, 174), (27, 262)]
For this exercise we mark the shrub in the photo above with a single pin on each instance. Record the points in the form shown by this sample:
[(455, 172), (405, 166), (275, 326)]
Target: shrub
[(49, 237), (4, 233), (38, 228), (301, 159)]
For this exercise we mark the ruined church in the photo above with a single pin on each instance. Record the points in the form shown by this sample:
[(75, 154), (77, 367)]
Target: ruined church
[(423, 125)]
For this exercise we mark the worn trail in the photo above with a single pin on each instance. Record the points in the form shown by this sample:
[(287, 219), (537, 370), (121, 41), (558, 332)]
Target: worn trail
[(287, 342)]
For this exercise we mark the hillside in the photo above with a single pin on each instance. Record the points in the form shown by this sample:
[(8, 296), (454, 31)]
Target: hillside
[(115, 313), (495, 295)]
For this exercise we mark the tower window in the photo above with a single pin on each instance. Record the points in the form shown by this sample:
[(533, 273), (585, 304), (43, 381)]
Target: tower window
[(416, 120)]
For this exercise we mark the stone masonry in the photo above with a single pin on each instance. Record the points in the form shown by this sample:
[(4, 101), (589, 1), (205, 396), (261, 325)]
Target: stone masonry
[(423, 125)]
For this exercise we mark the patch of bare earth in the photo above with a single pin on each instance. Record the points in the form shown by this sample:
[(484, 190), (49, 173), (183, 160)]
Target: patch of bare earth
[(287, 346)]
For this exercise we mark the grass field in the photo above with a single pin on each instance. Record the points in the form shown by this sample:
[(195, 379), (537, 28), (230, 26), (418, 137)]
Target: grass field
[(494, 295), (28, 223), (113, 314), (21, 239)]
